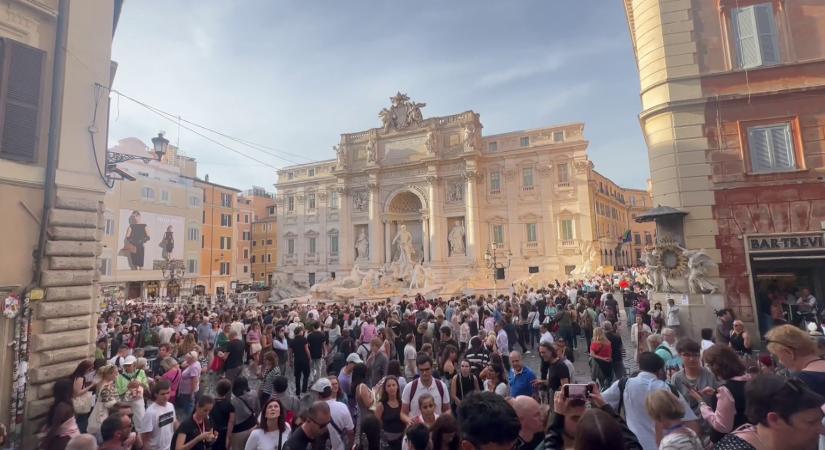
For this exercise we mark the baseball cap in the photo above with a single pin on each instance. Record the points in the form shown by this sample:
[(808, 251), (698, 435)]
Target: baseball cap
[(129, 360), (321, 385), (354, 358)]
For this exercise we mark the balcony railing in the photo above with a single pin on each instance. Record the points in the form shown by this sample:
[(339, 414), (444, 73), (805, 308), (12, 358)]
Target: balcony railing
[(527, 188), (563, 185), (568, 242), (531, 244)]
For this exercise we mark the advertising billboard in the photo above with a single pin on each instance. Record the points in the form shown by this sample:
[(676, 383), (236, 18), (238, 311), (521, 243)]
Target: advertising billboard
[(147, 239)]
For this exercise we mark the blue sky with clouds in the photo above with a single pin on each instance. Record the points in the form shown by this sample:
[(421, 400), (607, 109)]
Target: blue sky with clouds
[(294, 75)]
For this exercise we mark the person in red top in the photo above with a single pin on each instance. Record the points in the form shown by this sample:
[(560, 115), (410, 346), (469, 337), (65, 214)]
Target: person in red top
[(601, 351)]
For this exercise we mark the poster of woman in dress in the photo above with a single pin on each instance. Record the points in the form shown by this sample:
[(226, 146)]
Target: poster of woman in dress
[(148, 239)]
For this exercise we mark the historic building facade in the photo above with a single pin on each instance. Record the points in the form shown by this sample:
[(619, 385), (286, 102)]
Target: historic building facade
[(643, 235), (149, 223), (733, 114), (610, 220), (521, 196), (218, 237)]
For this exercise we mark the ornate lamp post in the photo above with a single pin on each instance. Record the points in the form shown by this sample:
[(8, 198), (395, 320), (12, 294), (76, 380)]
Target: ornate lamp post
[(159, 143), (491, 258)]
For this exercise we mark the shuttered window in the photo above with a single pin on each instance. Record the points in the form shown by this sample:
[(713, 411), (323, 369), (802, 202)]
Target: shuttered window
[(771, 148), (757, 43), (21, 81)]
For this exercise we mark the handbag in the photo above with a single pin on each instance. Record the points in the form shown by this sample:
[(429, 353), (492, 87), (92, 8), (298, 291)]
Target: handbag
[(83, 403), (217, 364), (128, 247)]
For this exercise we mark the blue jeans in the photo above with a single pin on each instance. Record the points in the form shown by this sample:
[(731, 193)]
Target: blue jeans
[(631, 316), (186, 404)]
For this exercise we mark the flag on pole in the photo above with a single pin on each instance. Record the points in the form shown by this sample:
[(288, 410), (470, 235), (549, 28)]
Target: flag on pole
[(627, 238)]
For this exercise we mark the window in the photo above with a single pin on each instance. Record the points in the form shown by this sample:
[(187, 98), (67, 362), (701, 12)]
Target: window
[(525, 141), (638, 254), (109, 226), (192, 265), (558, 136), (633, 200), (105, 267), (771, 148), (290, 247), (245, 269), (754, 31), (246, 253), (290, 203), (290, 175), (252, 259), (193, 234), (226, 243), (226, 200), (21, 76), (500, 274), (246, 218), (238, 218), (226, 220), (333, 245), (648, 239), (270, 210), (203, 213), (533, 269), (254, 243), (269, 257), (333, 200), (567, 229), (564, 173), (527, 178), (492, 147), (311, 172), (224, 268), (245, 236), (311, 201), (637, 239), (531, 232), (195, 201), (495, 182), (164, 196), (498, 234), (269, 242), (311, 278), (311, 245), (147, 193)]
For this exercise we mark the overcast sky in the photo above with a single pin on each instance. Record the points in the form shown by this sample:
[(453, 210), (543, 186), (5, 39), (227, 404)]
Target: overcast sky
[(294, 75)]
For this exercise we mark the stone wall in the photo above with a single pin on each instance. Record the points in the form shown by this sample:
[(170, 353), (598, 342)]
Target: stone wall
[(63, 323)]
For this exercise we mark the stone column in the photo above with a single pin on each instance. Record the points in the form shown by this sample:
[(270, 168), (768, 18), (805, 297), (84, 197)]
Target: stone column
[(387, 244), (471, 215), (425, 232), (346, 240), (437, 234), (376, 244)]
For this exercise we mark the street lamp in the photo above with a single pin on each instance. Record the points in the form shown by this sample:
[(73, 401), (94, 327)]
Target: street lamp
[(159, 143), (491, 258)]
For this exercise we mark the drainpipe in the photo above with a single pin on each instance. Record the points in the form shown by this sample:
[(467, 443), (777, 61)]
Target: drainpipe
[(55, 120)]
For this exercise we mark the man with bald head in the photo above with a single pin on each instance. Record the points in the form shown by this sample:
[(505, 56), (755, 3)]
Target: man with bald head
[(521, 377), (532, 421)]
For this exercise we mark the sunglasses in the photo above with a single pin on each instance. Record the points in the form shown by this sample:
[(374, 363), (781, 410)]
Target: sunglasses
[(320, 425)]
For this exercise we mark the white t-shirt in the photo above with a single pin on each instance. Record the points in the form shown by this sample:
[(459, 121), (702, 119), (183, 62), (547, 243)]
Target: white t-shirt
[(409, 360), (421, 389), (261, 440), (165, 334), (159, 421), (340, 414), (546, 337)]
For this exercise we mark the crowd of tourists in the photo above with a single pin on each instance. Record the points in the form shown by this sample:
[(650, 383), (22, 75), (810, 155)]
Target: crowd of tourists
[(440, 374)]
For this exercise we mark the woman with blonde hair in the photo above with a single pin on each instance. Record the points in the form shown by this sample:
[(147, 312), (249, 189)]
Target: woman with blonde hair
[(601, 352), (106, 397), (667, 411), (796, 350)]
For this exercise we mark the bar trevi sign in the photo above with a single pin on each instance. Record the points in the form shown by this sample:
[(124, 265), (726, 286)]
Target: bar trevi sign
[(792, 242)]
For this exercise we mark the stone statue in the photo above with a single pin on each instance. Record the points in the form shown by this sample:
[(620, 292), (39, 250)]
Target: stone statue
[(362, 245), (405, 248), (417, 277), (469, 134), (589, 255), (456, 192), (655, 271), (371, 150), (456, 239), (414, 113), (699, 262), (431, 142), (340, 155), (386, 118)]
